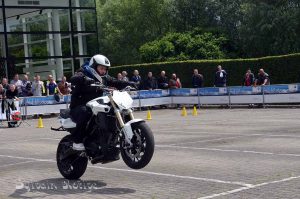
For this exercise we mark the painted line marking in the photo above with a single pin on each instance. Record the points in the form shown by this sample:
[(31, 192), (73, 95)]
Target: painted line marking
[(176, 176), (143, 172), (24, 158), (234, 137), (211, 140), (250, 187), (29, 140), (229, 150), (13, 164)]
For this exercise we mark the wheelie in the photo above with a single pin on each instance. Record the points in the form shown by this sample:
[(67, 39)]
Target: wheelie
[(101, 123)]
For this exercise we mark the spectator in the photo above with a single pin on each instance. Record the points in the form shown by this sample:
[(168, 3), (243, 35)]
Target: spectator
[(136, 78), (163, 81), (262, 78), (18, 83), (124, 76), (2, 97), (119, 76), (197, 79), (150, 82), (38, 87), (220, 77), (11, 94), (49, 79), (64, 88), (51, 87), (26, 87), (174, 82), (2, 92), (248, 78), (5, 83)]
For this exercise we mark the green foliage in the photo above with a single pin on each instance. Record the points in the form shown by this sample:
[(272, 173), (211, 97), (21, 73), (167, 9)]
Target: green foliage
[(183, 46), (253, 28), (282, 69), (125, 25), (270, 28)]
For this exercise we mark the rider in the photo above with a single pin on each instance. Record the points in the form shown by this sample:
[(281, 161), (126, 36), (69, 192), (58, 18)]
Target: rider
[(94, 72)]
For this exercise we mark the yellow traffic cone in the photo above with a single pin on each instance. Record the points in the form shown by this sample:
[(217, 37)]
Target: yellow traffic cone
[(149, 115), (40, 123), (183, 113), (195, 113)]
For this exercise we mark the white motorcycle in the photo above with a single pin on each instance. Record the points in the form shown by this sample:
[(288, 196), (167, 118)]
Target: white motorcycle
[(112, 130)]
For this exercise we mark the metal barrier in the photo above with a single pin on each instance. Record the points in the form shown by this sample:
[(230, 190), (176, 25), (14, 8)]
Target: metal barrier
[(285, 93)]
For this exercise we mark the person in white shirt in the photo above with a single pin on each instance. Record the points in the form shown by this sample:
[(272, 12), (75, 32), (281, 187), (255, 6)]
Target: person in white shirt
[(38, 87)]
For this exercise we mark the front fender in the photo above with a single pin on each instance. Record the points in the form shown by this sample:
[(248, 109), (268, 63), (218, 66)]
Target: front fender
[(127, 129)]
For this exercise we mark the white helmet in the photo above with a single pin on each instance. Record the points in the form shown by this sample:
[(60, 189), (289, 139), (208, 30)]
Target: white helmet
[(99, 60), (94, 62)]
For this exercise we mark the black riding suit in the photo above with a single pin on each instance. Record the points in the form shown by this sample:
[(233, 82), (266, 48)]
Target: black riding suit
[(81, 94)]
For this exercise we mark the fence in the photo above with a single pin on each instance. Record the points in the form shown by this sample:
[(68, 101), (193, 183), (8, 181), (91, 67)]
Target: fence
[(285, 93)]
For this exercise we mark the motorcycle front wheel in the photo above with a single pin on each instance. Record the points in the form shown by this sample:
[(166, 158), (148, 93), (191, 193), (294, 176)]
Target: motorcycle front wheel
[(140, 153), (69, 162)]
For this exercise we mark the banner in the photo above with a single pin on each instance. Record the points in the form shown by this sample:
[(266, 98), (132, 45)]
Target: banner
[(280, 89), (183, 92), (213, 91), (134, 94), (244, 90), (44, 100), (150, 94)]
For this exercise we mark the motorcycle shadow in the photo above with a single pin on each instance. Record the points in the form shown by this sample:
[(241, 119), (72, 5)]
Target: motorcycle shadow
[(60, 186)]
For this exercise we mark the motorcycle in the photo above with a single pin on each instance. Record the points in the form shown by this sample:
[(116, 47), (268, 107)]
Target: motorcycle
[(112, 130)]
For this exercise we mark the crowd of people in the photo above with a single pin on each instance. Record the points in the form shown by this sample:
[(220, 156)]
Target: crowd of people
[(25, 87), (197, 80)]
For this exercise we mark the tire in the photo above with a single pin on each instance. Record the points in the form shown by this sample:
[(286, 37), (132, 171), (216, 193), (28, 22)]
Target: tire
[(73, 166), (141, 153)]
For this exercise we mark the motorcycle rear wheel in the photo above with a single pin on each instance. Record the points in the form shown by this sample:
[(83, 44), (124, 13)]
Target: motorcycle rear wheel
[(140, 154), (73, 166)]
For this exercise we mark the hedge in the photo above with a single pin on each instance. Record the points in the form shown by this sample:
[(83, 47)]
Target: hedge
[(282, 69)]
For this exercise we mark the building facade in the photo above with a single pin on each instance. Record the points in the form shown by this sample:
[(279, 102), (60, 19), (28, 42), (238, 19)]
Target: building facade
[(46, 36)]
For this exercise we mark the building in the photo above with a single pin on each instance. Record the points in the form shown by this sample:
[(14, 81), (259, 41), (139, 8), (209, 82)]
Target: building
[(46, 36)]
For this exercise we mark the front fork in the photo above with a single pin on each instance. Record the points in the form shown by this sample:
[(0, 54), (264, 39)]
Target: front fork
[(125, 128)]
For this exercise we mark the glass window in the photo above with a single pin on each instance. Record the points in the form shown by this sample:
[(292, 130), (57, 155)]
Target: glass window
[(68, 67), (2, 46), (66, 45), (37, 23), (1, 21), (26, 20), (91, 44), (64, 20), (19, 65), (87, 19), (15, 39), (83, 3), (17, 51), (36, 3), (38, 50)]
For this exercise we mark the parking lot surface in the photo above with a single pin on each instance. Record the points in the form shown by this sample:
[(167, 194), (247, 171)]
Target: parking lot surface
[(221, 153)]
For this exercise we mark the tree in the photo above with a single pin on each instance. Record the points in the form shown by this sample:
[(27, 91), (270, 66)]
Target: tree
[(127, 24), (270, 28), (183, 46)]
